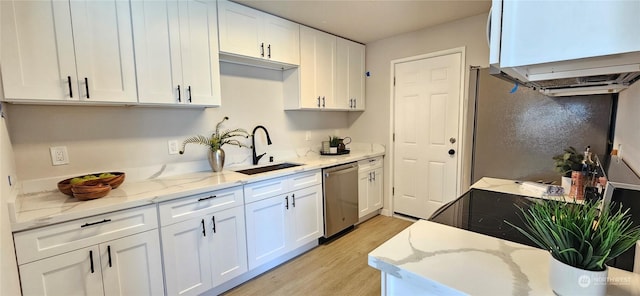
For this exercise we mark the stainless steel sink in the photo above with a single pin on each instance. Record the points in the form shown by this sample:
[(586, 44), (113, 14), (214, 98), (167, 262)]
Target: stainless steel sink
[(268, 168)]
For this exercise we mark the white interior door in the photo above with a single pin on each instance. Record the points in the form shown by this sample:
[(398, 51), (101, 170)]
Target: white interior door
[(427, 99)]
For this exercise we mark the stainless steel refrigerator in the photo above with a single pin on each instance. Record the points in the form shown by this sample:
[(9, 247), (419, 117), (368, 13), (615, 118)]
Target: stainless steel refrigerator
[(517, 132)]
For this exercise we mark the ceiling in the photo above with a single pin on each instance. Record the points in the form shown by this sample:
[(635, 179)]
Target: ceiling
[(365, 21)]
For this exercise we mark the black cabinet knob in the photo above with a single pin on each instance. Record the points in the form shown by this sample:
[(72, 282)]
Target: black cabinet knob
[(452, 152)]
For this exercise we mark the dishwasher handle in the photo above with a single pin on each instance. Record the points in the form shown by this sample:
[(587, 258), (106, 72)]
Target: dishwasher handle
[(340, 172)]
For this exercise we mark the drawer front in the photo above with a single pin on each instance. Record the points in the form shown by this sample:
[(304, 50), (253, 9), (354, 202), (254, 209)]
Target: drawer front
[(304, 180), (199, 205), (52, 240), (370, 163), (265, 189)]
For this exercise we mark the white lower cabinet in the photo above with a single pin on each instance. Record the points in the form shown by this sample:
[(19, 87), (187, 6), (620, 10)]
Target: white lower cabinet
[(207, 249), (370, 179), (281, 223), (111, 254)]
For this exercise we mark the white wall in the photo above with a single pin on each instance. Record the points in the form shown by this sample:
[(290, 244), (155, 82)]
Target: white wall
[(627, 137), (373, 125), (116, 138)]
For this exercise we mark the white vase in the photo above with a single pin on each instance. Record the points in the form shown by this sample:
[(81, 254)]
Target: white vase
[(566, 280), (566, 185), (216, 160)]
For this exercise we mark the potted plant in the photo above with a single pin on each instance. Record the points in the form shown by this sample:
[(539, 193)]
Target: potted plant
[(581, 239), (566, 163), (334, 141), (215, 143)]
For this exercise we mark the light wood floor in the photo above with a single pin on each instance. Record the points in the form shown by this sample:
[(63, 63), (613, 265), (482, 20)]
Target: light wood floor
[(336, 268)]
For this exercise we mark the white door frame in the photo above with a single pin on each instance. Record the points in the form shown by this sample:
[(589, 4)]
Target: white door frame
[(461, 116)]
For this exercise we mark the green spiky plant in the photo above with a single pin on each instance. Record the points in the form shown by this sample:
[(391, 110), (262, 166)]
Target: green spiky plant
[(218, 139), (580, 235), (568, 161)]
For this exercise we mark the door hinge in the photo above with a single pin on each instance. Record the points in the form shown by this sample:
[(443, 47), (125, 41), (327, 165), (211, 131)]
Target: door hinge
[(393, 138), (394, 81), (393, 191)]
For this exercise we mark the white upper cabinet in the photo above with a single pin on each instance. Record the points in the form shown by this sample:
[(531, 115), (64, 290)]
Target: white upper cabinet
[(68, 51), (350, 75), (330, 76), (247, 32), (177, 52), (317, 69)]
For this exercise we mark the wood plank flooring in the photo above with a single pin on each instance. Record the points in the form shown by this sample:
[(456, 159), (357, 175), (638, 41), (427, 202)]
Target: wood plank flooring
[(336, 268)]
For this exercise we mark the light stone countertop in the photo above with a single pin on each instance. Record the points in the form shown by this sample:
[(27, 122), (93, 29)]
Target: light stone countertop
[(49, 207), (445, 260), (516, 187)]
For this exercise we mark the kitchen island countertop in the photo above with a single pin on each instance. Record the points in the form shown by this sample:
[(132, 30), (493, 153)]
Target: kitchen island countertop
[(49, 207), (434, 259)]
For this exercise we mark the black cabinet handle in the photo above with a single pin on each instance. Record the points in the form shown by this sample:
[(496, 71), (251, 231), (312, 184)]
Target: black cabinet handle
[(86, 86), (94, 223), (189, 91), (322, 102), (262, 50), (369, 176), (109, 254), (287, 202), (70, 88), (213, 219), (293, 201), (205, 198), (203, 231), (269, 51), (374, 176), (355, 103), (318, 101), (179, 95), (91, 259)]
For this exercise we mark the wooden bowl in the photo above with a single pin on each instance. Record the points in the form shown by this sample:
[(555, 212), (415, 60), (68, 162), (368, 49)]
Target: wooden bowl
[(65, 185), (87, 192)]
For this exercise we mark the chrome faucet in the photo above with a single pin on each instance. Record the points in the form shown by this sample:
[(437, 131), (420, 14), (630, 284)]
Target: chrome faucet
[(256, 158)]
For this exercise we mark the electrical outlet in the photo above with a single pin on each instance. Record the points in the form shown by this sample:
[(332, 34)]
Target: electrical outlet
[(173, 147), (59, 155), (307, 136)]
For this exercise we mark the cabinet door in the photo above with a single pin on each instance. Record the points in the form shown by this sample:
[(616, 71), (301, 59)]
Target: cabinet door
[(364, 184), (132, 265), (240, 30), (103, 42), (38, 61), (306, 223), (317, 68), (266, 229), (156, 32), (186, 257), (376, 190), (282, 39), (349, 75), (228, 244), (200, 63), (73, 273)]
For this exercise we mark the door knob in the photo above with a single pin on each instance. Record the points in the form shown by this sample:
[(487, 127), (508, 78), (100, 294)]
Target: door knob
[(452, 152)]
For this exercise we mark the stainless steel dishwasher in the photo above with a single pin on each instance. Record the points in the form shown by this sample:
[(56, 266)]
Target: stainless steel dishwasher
[(340, 187)]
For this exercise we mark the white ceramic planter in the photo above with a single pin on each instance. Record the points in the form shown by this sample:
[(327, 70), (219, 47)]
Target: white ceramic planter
[(567, 280), (566, 185)]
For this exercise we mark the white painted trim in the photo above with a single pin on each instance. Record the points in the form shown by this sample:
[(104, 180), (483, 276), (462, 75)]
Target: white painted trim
[(461, 116)]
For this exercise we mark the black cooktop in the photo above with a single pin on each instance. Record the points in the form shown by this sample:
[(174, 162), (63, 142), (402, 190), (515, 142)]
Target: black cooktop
[(485, 211)]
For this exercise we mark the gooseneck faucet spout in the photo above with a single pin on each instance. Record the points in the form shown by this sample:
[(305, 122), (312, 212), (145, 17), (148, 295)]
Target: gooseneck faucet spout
[(256, 158)]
